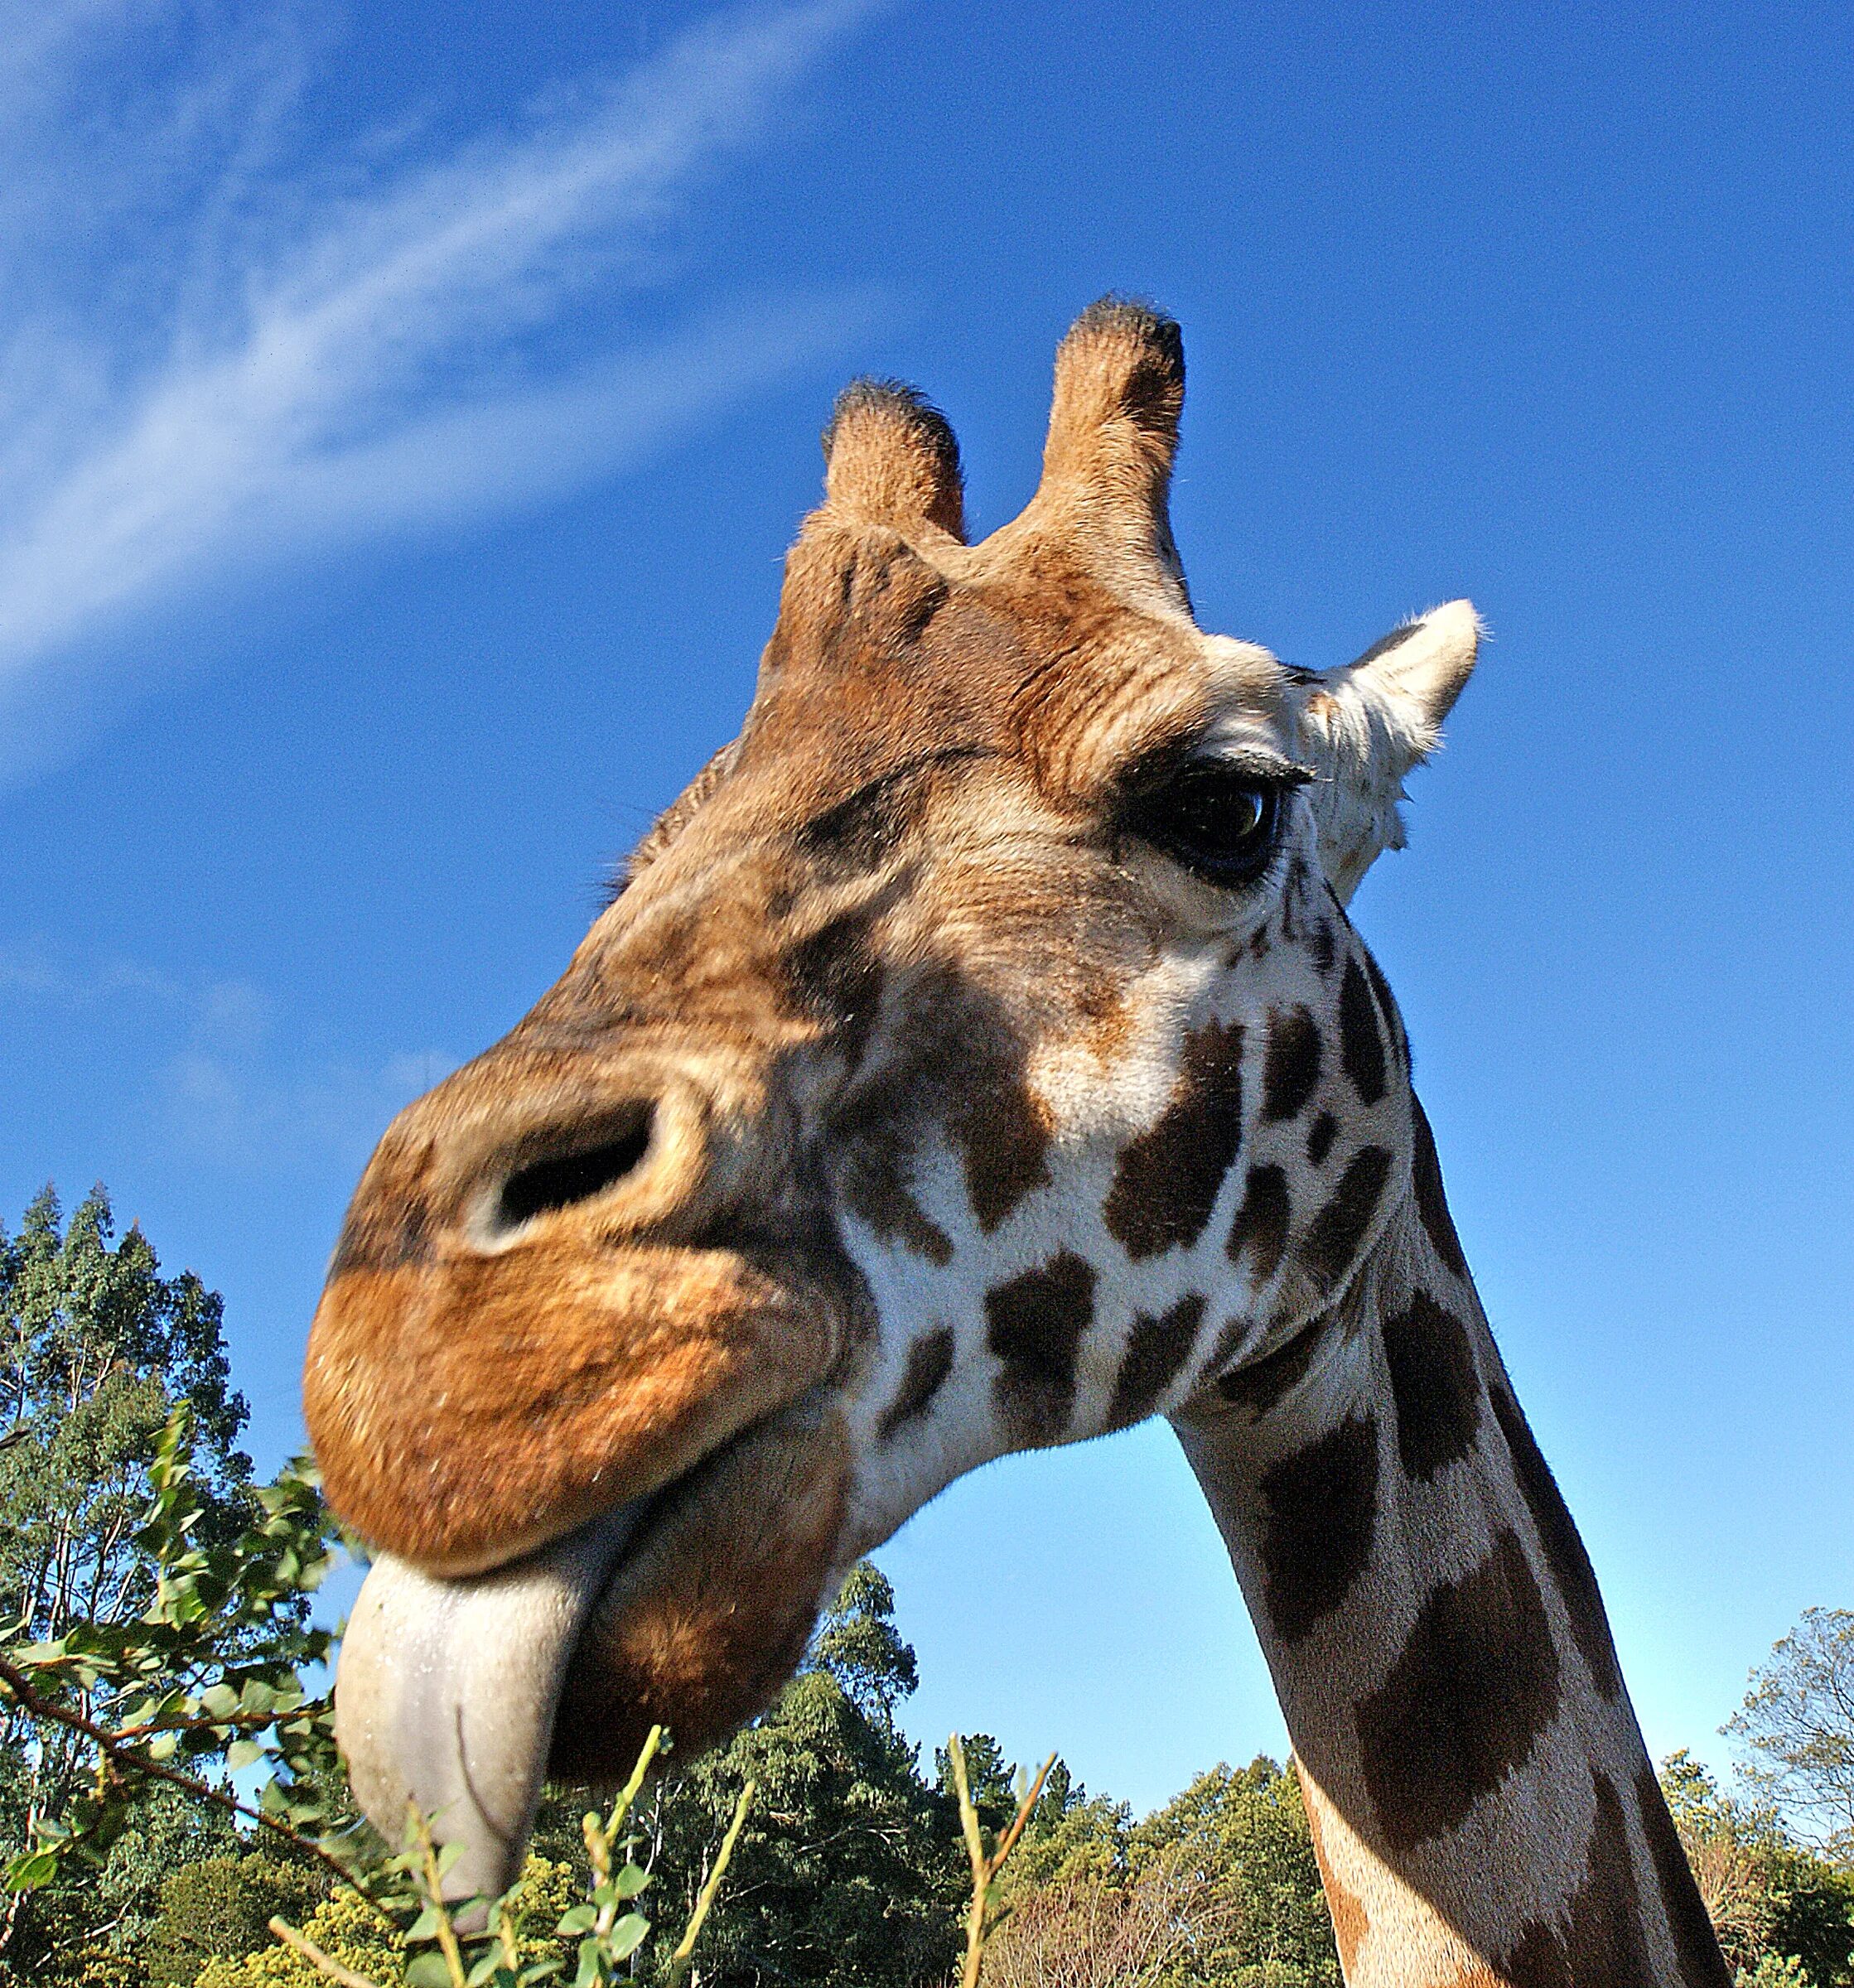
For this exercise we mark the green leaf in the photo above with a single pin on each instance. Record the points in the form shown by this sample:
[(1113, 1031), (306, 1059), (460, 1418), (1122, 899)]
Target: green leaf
[(242, 1753), (626, 1936), (37, 1867), (630, 1881), (581, 1919), (428, 1970)]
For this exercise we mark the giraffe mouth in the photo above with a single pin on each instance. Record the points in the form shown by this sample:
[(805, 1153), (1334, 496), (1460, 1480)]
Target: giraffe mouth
[(687, 1609)]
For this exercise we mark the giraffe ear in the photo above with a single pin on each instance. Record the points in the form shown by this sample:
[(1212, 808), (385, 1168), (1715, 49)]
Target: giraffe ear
[(891, 458), (1365, 727), (1105, 488)]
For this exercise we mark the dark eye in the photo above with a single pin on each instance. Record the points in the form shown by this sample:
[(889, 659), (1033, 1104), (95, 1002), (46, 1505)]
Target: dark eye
[(1219, 821)]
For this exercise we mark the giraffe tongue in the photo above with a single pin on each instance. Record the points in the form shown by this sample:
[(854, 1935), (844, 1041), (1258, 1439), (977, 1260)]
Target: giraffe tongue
[(446, 1692)]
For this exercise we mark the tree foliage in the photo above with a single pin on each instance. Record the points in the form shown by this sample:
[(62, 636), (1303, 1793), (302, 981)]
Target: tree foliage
[(220, 1907), (100, 1349), (1797, 1721), (1219, 1888), (1782, 1914)]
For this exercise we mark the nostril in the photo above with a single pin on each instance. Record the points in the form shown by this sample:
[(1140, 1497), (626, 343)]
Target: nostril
[(563, 1178)]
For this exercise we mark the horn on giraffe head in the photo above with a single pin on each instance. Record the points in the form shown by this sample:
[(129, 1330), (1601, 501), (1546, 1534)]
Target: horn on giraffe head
[(891, 458), (1107, 464)]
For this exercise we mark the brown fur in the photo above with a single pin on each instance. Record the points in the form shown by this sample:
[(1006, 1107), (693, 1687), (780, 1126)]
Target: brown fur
[(711, 1608)]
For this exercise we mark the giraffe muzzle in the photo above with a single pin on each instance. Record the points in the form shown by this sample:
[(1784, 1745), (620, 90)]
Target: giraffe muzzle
[(567, 1276), (688, 1609), (571, 1377)]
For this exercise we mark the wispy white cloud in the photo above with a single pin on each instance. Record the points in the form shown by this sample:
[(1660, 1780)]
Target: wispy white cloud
[(230, 1098), (223, 1085), (273, 357)]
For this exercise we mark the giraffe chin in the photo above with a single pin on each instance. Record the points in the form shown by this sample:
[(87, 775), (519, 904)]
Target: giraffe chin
[(688, 1609)]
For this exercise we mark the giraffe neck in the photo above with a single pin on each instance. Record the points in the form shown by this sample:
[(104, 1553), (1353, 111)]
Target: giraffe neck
[(1484, 1809)]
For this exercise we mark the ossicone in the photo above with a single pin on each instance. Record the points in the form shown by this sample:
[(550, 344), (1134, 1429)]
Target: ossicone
[(891, 458), (1103, 499), (1119, 393)]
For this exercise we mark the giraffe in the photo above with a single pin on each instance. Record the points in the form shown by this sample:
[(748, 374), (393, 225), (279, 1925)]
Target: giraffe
[(979, 1056)]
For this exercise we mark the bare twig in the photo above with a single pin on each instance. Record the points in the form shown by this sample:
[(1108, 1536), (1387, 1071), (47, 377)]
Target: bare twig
[(600, 1837), (434, 1882), (345, 1976), (679, 1961)]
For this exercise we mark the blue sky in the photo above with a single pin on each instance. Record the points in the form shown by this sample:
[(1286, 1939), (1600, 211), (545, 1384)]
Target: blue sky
[(403, 417)]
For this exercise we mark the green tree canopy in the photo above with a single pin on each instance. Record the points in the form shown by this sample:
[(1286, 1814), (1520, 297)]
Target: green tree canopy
[(1783, 1914), (98, 1346), (1244, 1836)]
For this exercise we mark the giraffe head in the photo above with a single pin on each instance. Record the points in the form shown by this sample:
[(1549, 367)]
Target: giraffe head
[(977, 1057)]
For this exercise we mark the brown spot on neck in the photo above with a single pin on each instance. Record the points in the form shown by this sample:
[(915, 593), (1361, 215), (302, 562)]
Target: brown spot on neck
[(1035, 1324), (1602, 1938), (1292, 1069), (1332, 1244), (1562, 1546), (1004, 1132), (1361, 1041), (1261, 1223), (1322, 1512), (1434, 1384), (1474, 1686), (1156, 1349), (1432, 1203), (1350, 1921), (929, 1361)]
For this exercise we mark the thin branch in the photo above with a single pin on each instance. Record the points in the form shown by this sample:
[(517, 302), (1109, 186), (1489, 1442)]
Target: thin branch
[(316, 1958), (122, 1756), (679, 1961), (979, 1923), (434, 1887)]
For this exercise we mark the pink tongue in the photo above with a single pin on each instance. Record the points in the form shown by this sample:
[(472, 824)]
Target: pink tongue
[(446, 1689)]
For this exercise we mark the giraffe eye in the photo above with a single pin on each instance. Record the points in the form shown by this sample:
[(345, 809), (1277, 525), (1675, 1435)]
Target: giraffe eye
[(1218, 820)]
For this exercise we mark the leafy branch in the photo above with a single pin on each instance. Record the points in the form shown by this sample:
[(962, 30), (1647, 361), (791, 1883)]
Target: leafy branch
[(211, 1673)]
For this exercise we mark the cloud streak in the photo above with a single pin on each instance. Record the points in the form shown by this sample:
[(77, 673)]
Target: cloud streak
[(402, 350), (228, 1083)]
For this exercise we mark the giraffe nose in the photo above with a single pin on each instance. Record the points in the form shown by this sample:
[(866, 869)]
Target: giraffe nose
[(643, 1148), (566, 1277), (571, 1164)]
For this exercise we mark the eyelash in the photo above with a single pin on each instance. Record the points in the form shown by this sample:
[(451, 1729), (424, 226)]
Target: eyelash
[(1218, 819)]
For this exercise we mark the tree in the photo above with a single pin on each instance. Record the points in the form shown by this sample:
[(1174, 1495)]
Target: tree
[(98, 1348), (1133, 1932), (1073, 1837), (1782, 1914), (850, 1868), (1798, 1719), (222, 1906), (1245, 1836)]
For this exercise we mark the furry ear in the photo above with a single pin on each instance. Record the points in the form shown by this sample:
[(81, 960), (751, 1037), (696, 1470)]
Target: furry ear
[(1365, 727)]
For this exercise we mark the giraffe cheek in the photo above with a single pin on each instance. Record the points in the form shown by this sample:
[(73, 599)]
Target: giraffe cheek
[(466, 1413)]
